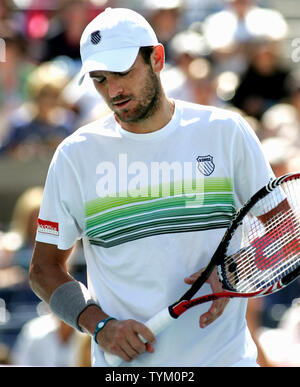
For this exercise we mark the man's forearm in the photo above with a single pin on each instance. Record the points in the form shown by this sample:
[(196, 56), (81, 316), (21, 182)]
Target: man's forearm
[(46, 275), (44, 287), (68, 298)]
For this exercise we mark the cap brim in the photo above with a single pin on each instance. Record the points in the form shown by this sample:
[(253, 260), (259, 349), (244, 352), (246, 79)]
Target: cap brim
[(118, 60)]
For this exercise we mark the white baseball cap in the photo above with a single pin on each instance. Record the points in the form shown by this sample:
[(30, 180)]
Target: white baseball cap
[(111, 41)]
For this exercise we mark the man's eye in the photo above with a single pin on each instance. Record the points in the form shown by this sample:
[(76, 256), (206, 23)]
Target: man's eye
[(99, 80)]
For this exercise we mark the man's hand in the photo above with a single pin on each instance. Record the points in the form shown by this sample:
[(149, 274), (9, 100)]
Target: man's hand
[(217, 306), (122, 338)]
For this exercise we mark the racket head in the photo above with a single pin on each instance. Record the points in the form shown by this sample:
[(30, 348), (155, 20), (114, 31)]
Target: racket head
[(261, 248)]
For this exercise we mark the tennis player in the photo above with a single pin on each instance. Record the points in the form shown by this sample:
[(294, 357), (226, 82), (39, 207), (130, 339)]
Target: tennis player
[(150, 190)]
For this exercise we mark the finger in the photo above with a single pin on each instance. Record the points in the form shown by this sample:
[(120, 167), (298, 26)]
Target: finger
[(125, 341), (189, 280), (127, 353), (129, 348), (213, 313), (192, 278), (124, 350), (149, 347), (145, 332), (136, 339)]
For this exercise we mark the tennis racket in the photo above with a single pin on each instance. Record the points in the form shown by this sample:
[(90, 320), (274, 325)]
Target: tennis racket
[(258, 255)]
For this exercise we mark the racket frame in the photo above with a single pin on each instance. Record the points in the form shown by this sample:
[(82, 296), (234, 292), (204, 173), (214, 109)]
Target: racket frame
[(219, 255)]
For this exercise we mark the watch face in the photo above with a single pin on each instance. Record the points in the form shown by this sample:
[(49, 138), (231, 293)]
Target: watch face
[(101, 324)]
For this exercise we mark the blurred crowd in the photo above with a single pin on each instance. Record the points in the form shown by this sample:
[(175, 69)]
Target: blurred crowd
[(226, 53)]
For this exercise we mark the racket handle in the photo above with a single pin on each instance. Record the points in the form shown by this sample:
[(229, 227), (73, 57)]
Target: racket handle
[(156, 324)]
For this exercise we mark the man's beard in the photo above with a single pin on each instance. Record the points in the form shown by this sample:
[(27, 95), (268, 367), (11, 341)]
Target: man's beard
[(148, 103)]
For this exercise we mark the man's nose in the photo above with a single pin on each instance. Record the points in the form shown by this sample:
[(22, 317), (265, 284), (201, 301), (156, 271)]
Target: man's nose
[(115, 88)]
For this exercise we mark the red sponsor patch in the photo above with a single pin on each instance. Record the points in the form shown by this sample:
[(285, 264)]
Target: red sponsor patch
[(47, 227)]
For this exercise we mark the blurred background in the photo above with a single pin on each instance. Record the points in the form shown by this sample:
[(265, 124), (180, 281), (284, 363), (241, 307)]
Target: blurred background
[(242, 55)]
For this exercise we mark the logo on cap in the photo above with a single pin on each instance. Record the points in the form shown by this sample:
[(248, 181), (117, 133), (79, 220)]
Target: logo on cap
[(95, 37)]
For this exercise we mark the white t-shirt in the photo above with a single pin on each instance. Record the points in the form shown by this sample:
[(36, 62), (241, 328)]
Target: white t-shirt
[(151, 209)]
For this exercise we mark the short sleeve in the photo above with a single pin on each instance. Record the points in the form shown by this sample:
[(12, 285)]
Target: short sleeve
[(61, 217), (252, 170)]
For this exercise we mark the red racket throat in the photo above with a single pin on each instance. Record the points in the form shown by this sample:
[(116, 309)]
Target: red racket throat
[(180, 307)]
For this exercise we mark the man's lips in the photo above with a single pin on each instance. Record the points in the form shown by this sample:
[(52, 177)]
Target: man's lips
[(121, 104)]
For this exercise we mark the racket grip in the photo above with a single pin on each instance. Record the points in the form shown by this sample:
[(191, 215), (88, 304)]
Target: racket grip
[(156, 324)]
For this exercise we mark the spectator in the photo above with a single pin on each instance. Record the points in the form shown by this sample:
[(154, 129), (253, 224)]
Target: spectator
[(294, 163), (254, 323), (279, 151), (8, 18), (65, 31), (281, 345), (195, 11), (23, 225), (84, 359), (184, 47), (14, 72), (45, 121), (229, 32), (165, 18), (46, 341), (17, 245), (203, 83), (283, 119), (20, 238), (5, 356), (84, 100), (264, 82)]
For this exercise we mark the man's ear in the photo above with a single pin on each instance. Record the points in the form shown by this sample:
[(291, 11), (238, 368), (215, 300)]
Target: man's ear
[(158, 58)]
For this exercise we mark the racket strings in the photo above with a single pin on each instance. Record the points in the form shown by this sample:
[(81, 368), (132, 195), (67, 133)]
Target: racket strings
[(277, 254), (270, 249), (281, 235), (248, 277)]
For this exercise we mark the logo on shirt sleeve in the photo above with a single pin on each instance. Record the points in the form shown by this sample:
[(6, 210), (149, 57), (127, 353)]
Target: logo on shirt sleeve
[(47, 227)]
